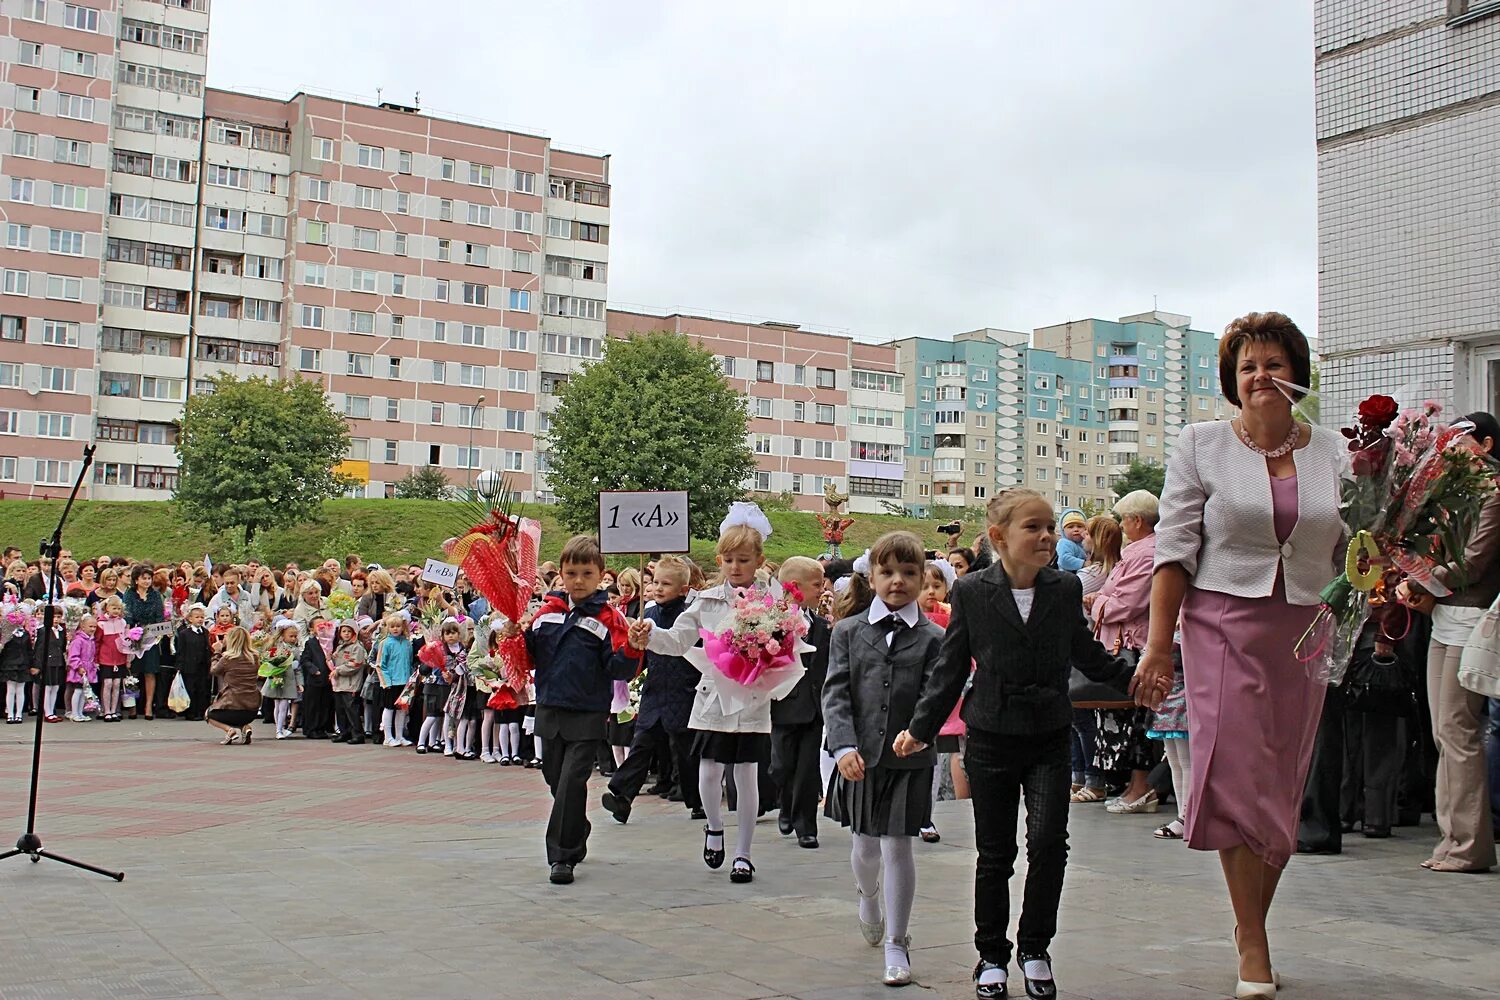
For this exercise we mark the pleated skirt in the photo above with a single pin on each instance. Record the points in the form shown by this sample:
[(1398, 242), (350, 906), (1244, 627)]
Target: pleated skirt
[(889, 802), (732, 748)]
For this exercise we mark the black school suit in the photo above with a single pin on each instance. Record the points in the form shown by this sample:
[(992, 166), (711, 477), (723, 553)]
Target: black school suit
[(797, 736), (1018, 717)]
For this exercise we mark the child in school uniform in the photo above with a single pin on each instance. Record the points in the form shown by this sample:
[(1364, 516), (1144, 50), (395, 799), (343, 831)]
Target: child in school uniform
[(739, 739), (50, 673), (1021, 623), (112, 660), (283, 688), (346, 666), (878, 663), (578, 646), (394, 661), (83, 665), (15, 663), (797, 719), (436, 664), (937, 581), (194, 653)]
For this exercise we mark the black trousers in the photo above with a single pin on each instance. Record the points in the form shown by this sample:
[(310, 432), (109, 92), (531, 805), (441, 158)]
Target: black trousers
[(1320, 829), (795, 753), (1003, 769), (644, 748), (567, 764), (316, 715), (351, 715)]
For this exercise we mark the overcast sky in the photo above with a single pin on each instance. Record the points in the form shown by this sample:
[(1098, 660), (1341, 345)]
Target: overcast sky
[(881, 168)]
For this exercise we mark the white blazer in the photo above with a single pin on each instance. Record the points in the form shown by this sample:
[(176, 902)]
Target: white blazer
[(1217, 520)]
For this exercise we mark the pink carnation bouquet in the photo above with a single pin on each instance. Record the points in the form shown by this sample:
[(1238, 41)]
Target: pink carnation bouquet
[(762, 636)]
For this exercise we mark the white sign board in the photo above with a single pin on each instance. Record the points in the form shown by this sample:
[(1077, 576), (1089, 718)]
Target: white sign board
[(643, 521), (441, 573)]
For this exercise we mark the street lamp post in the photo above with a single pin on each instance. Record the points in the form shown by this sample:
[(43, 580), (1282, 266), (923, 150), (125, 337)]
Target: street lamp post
[(474, 418)]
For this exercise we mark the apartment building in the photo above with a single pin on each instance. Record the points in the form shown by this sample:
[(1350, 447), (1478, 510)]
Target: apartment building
[(436, 276), (1408, 134), (824, 408)]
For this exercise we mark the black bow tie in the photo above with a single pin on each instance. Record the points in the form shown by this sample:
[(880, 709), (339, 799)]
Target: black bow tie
[(893, 623)]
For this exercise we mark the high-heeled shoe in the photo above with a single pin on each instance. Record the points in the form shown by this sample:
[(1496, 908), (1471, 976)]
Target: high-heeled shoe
[(1275, 976), (713, 858), (872, 933), (1254, 991), (898, 975)]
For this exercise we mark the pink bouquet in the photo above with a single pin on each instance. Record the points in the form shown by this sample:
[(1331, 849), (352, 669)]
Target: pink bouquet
[(762, 635)]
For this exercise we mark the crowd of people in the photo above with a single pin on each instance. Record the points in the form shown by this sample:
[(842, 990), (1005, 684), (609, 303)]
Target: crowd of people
[(1129, 659)]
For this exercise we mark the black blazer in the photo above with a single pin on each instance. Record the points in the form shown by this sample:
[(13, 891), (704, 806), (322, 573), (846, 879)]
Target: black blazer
[(314, 664), (872, 689), (1021, 669), (804, 705)]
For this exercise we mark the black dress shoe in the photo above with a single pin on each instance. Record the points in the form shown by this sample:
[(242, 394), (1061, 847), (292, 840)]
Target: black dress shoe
[(1317, 849), (810, 841), (1038, 989), (617, 807), (714, 858), (675, 795), (562, 874), (698, 814), (1377, 832), (658, 789), (784, 824), (988, 991), (741, 871)]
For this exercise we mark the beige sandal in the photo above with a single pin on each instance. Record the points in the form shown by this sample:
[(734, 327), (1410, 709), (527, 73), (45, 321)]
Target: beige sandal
[(1087, 795)]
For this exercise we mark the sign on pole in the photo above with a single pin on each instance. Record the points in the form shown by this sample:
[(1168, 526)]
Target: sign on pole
[(643, 521), (441, 573)]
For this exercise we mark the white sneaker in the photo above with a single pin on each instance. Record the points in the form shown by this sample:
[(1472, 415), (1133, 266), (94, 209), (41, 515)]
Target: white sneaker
[(447, 751), (391, 742), (406, 743), (281, 734), (486, 758)]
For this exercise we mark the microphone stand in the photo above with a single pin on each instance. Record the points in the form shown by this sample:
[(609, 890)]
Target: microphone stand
[(29, 843)]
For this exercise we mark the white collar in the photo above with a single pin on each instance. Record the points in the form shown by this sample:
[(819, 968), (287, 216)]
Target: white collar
[(879, 612)]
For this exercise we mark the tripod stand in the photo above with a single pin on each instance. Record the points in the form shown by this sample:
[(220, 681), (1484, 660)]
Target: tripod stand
[(29, 843)]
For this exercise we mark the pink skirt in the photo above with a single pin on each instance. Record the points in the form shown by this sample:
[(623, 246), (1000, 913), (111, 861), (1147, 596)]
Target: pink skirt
[(1252, 716)]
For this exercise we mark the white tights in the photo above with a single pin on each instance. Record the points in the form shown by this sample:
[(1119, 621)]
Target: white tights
[(50, 696), (15, 699), (109, 697), (78, 702), (283, 713), (747, 789), (463, 735), (888, 863), (1180, 760), (431, 733)]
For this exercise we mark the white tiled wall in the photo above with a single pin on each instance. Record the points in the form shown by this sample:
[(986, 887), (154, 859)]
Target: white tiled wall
[(1409, 213)]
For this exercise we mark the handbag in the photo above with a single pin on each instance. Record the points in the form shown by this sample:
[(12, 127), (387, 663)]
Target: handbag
[(1375, 684), (1084, 692), (1479, 666)]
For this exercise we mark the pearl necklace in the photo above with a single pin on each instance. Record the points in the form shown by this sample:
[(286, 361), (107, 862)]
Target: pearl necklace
[(1286, 446)]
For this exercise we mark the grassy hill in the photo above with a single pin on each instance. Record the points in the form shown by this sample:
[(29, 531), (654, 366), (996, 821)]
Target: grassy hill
[(384, 531)]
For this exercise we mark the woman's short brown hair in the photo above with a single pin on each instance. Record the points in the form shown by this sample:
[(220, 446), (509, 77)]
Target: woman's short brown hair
[(1262, 328)]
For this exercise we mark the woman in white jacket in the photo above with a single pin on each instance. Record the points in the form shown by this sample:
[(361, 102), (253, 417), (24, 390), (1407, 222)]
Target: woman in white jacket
[(731, 722)]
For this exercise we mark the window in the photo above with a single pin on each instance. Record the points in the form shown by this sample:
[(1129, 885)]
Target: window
[(17, 237), (9, 422), (763, 482), (523, 222), (81, 18), (523, 181), (520, 300), (799, 411), (393, 409), (34, 10), (762, 407), (823, 413), (75, 106), (515, 420), (315, 275), (445, 209), (515, 461), (17, 283), (28, 99), (23, 144), (361, 322), (10, 376), (823, 449), (360, 364), (361, 280), (441, 292), (315, 233), (472, 335), (321, 149), (53, 473), (870, 451), (560, 228), (371, 156), (318, 190), (1041, 451), (59, 334), (312, 317), (7, 469), (71, 151), (764, 371), (65, 288), (482, 174), (448, 170), (516, 340), (476, 295), (366, 239), (480, 215), (825, 378), (403, 161), (477, 254), (515, 381), (167, 389), (357, 406), (54, 425), (440, 371), (877, 381), (728, 366), (367, 197), (65, 241), (471, 375), (70, 196), (390, 452)]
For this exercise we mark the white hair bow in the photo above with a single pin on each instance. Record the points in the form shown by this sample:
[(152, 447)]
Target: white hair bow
[(744, 512), (944, 567), (862, 564)]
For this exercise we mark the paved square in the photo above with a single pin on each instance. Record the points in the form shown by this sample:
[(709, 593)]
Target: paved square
[(299, 869)]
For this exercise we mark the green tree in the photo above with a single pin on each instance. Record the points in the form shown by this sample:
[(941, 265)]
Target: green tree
[(1141, 476), (259, 454), (426, 483), (655, 414)]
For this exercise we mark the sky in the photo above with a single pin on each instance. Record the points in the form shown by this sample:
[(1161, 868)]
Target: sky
[(876, 168)]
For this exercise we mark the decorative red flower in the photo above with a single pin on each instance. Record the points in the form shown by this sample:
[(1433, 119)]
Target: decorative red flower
[(1378, 412)]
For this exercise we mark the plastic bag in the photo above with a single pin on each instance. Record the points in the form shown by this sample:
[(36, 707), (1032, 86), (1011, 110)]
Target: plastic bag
[(177, 698)]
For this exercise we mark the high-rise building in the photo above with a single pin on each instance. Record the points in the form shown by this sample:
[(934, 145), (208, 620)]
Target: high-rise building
[(825, 410), (436, 276), (1408, 132)]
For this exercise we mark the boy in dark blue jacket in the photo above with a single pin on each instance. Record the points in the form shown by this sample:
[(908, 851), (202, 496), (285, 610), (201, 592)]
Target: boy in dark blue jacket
[(666, 702), (578, 647)]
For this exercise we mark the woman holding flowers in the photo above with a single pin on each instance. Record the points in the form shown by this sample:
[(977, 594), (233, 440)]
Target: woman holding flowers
[(1467, 841), (144, 606), (1249, 531)]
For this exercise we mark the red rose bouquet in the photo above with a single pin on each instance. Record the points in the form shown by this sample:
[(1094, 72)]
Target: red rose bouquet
[(1410, 499), (497, 549)]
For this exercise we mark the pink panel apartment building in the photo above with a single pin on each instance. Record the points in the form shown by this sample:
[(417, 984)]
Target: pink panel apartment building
[(429, 272)]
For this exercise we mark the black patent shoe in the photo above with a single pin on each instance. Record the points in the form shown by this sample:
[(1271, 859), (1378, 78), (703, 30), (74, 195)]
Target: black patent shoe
[(988, 991), (713, 858), (741, 871), (1038, 989)]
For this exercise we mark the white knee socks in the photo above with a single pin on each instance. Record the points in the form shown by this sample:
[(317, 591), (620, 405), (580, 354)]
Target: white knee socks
[(15, 699)]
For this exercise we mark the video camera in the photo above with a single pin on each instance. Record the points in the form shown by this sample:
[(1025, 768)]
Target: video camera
[(951, 528)]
